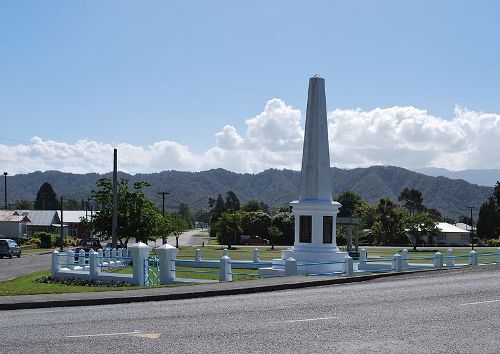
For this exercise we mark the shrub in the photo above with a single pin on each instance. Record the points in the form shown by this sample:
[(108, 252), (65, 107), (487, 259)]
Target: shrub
[(33, 241), (494, 242), (45, 239)]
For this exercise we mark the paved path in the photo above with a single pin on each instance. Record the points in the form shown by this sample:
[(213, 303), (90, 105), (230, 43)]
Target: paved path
[(456, 311), (188, 238), (27, 264)]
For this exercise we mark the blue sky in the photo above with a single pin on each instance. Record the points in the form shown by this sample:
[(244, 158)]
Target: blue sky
[(175, 73)]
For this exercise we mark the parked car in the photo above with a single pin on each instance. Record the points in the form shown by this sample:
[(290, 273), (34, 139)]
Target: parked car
[(119, 244), (88, 244), (9, 248), (253, 240)]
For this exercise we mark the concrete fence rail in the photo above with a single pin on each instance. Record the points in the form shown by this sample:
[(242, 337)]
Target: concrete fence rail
[(96, 265)]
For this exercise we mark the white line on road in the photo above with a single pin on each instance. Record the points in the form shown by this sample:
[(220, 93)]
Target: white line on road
[(104, 334), (480, 302), (311, 319)]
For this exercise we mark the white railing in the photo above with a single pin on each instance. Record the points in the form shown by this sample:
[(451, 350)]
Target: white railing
[(91, 267)]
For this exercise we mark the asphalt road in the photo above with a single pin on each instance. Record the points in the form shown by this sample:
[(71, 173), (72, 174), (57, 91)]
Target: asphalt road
[(455, 311), (27, 264)]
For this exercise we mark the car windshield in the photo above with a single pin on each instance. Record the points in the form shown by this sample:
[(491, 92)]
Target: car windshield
[(12, 243)]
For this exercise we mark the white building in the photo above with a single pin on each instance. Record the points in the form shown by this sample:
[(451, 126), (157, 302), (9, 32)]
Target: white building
[(451, 235)]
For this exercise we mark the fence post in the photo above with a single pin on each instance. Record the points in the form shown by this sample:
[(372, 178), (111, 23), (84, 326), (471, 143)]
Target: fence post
[(404, 259), (450, 261), (81, 258), (225, 272), (55, 264), (498, 255), (94, 266), (99, 256), (396, 262), (197, 255), (70, 259), (291, 267), (167, 255), (473, 258), (348, 266), (438, 260), (362, 256), (139, 252), (256, 255)]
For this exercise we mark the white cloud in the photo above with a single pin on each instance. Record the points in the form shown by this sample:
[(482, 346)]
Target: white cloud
[(401, 136)]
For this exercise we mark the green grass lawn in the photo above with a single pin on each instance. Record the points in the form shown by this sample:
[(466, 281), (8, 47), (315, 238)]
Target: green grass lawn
[(36, 250), (25, 285), (240, 253)]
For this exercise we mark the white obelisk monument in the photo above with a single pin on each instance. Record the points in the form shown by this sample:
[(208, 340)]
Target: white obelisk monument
[(315, 247)]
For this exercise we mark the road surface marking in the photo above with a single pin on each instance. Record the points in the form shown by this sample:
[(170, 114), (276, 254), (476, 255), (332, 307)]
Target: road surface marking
[(311, 319), (147, 335), (105, 334), (480, 302)]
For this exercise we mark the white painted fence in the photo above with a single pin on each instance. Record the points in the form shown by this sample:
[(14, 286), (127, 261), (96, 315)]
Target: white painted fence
[(67, 265)]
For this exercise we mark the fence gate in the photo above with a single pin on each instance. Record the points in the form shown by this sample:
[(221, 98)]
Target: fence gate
[(151, 271)]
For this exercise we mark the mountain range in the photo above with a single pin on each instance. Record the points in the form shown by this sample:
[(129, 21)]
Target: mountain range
[(273, 187), (487, 177)]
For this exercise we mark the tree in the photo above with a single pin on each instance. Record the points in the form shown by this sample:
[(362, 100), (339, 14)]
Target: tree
[(433, 213), (46, 198), (389, 228), (367, 215), (72, 204), (412, 199), (255, 223), (496, 194), (218, 207), (23, 204), (274, 235), (350, 202), (177, 226), (254, 205), (487, 222), (421, 224), (228, 228), (185, 213), (232, 202), (137, 216), (285, 222)]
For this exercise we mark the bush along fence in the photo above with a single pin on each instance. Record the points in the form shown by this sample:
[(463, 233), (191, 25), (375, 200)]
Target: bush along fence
[(161, 269)]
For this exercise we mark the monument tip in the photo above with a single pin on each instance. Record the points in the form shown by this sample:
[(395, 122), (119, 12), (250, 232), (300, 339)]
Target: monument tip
[(316, 77)]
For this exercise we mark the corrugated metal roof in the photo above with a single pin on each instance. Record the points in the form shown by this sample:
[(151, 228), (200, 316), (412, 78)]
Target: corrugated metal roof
[(73, 216), (10, 216), (449, 228), (41, 217)]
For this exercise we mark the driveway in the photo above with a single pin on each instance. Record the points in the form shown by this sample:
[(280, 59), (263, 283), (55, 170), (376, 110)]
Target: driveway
[(195, 237)]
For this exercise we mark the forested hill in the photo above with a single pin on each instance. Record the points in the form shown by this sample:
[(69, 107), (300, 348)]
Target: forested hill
[(274, 187)]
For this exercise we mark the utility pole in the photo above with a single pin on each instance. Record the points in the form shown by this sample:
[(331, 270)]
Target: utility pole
[(471, 227), (5, 195), (163, 194), (62, 226), (114, 222)]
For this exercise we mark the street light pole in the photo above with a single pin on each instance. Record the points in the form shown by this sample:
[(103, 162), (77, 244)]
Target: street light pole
[(471, 227), (5, 184), (62, 226), (163, 194)]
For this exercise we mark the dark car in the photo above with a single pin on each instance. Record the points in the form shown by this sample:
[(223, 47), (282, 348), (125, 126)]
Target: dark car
[(88, 244), (253, 240), (119, 244), (9, 248)]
